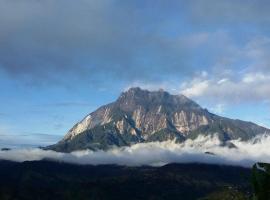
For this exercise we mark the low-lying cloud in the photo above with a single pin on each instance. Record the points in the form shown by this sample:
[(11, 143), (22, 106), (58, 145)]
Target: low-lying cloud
[(203, 150)]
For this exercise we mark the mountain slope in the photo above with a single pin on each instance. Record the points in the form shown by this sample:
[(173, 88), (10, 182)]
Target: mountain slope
[(143, 116)]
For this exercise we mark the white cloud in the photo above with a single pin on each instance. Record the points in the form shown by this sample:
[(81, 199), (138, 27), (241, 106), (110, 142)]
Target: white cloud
[(159, 153), (222, 81), (241, 74), (256, 77), (245, 88), (197, 88), (204, 73), (219, 108)]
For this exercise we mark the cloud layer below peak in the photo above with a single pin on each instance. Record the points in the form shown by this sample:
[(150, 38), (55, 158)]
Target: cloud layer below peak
[(203, 150)]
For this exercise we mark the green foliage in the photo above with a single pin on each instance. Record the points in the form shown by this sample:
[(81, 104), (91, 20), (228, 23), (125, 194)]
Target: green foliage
[(44, 180), (261, 181), (228, 193)]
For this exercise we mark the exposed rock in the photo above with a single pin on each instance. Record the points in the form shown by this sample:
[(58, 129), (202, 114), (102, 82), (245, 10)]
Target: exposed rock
[(141, 116)]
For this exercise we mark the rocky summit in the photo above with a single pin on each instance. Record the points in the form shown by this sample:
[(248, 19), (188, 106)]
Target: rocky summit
[(147, 116)]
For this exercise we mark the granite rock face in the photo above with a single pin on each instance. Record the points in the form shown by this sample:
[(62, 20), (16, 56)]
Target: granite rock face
[(145, 116)]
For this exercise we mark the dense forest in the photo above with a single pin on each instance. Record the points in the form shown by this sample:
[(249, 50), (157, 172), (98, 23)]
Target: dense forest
[(54, 180)]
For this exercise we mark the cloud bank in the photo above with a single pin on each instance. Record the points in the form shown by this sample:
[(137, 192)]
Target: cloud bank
[(203, 150), (85, 39)]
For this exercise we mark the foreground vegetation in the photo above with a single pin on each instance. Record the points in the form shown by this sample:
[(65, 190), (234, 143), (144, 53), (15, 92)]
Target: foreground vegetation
[(51, 180)]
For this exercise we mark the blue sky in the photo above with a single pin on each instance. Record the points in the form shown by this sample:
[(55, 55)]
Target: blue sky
[(60, 60)]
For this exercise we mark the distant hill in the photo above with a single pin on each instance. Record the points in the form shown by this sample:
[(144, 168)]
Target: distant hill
[(145, 116)]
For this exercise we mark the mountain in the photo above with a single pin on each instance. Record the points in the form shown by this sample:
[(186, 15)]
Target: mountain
[(145, 116)]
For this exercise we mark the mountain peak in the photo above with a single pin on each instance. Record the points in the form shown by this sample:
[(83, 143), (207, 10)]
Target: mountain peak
[(133, 91), (136, 96), (137, 90)]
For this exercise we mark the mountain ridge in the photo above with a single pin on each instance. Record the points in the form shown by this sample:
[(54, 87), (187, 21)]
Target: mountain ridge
[(146, 116)]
